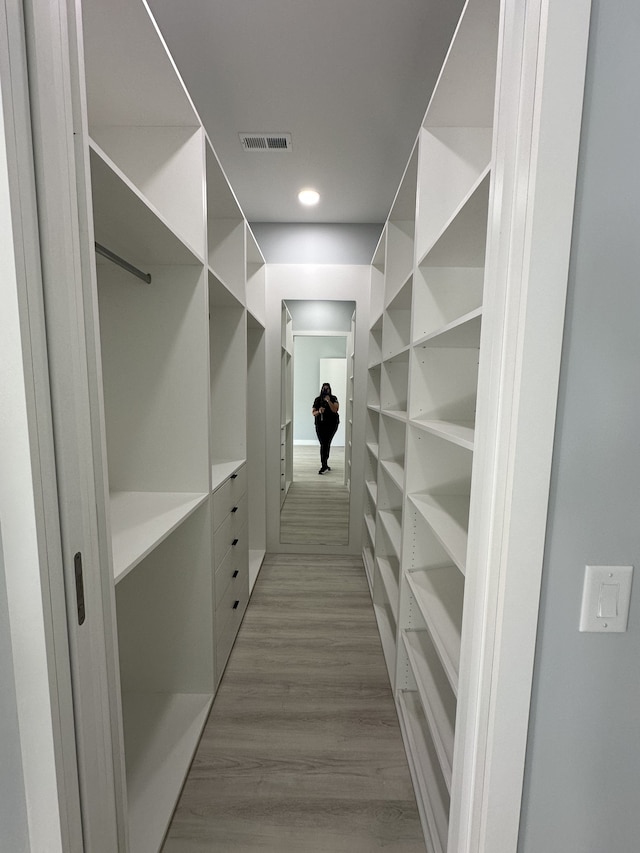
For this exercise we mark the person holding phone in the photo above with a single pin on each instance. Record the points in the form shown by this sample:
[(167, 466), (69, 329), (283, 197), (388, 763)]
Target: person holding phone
[(325, 411)]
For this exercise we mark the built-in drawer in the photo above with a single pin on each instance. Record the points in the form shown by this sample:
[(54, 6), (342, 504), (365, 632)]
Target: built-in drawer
[(228, 538), (234, 565), (227, 628), (238, 483), (239, 514), (228, 495), (222, 539)]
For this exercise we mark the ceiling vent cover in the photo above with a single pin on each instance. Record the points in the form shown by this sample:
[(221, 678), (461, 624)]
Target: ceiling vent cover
[(266, 141)]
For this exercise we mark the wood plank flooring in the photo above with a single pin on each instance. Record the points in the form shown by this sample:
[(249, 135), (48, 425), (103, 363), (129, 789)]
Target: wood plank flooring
[(302, 751), (316, 509)]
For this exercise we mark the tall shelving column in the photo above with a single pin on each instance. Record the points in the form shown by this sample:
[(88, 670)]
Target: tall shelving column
[(454, 165), (286, 398), (256, 404), (394, 341), (146, 149), (372, 427)]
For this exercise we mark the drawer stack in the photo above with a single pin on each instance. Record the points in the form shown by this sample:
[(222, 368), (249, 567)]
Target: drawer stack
[(230, 562)]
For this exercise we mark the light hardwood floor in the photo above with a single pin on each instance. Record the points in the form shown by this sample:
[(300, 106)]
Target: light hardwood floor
[(302, 752), (316, 509)]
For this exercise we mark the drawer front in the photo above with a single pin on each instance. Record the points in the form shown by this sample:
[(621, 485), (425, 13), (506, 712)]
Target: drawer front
[(222, 539), (222, 503), (238, 484), (234, 566), (227, 541), (239, 514), (227, 633)]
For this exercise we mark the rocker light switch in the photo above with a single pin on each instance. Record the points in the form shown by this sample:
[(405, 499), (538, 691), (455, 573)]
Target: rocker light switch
[(605, 598)]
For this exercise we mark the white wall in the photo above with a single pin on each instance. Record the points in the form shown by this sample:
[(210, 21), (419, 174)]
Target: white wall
[(301, 243), (307, 353), (582, 777), (344, 282)]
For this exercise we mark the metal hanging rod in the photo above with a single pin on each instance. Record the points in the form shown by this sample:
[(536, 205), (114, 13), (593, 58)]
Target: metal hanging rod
[(111, 256)]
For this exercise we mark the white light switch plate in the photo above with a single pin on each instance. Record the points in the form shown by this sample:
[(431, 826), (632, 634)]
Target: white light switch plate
[(605, 598)]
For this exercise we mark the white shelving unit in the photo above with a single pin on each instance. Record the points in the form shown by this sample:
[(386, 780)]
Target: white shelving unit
[(428, 277), (286, 398), (182, 343)]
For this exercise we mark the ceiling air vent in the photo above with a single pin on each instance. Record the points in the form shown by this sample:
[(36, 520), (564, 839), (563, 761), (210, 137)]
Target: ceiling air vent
[(266, 141)]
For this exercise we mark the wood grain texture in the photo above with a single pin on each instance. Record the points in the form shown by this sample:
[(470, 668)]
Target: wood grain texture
[(302, 751), (316, 509)]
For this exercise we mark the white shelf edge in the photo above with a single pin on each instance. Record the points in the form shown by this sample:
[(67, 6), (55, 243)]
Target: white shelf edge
[(387, 640), (222, 470), (256, 557), (395, 470), (140, 521), (449, 661), (442, 739), (396, 353), (444, 331), (373, 447), (371, 527), (390, 583), (368, 569), (393, 526), (415, 750), (169, 726), (462, 434), (439, 512), (396, 414), (372, 488), (474, 188)]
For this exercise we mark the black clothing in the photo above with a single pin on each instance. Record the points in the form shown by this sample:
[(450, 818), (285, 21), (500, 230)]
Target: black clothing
[(328, 418), (326, 427)]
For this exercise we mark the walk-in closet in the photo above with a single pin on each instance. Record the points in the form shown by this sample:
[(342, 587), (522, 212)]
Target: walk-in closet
[(153, 376)]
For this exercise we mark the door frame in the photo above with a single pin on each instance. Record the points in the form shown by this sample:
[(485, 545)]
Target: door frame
[(47, 48), (539, 95)]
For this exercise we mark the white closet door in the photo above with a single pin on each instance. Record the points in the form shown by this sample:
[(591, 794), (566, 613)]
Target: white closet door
[(334, 371)]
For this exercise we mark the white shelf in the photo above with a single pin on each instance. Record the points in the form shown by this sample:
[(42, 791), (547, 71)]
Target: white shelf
[(371, 526), (461, 332), (396, 414), (367, 559), (373, 447), (255, 563), (392, 522), (462, 240), (462, 434), (432, 795), (395, 471), (439, 594), (387, 638), (438, 701), (448, 517), (142, 520), (222, 470), (162, 731), (372, 488), (390, 582), (126, 222)]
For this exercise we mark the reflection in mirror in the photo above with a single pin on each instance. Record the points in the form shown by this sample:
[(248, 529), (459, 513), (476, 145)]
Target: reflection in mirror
[(317, 349)]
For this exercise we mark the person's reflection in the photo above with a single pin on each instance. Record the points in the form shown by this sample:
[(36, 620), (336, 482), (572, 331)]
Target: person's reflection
[(325, 411)]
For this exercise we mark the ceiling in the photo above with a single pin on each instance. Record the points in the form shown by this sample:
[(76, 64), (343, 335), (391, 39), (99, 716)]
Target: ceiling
[(348, 79)]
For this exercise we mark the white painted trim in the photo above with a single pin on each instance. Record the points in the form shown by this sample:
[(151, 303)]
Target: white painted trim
[(58, 110), (321, 334), (335, 282), (28, 487), (539, 102)]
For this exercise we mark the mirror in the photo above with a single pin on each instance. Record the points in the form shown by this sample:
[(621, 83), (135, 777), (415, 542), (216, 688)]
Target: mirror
[(317, 347)]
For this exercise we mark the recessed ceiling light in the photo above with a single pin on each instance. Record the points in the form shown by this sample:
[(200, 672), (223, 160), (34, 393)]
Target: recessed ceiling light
[(308, 197)]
